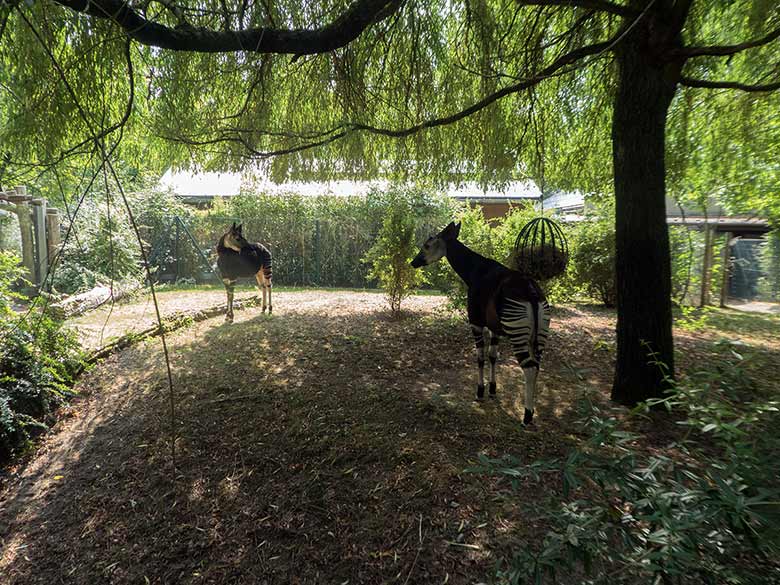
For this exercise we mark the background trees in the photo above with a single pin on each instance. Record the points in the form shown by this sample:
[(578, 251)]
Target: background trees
[(556, 89)]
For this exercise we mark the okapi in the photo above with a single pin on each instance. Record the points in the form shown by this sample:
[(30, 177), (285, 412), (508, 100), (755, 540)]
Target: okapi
[(237, 258), (501, 302)]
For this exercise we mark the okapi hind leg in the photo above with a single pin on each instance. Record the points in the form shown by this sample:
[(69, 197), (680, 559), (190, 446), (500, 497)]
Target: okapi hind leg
[(230, 286), (492, 356), (268, 281), (479, 342), (530, 372), (261, 285)]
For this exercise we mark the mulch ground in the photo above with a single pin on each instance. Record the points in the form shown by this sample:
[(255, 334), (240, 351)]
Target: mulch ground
[(328, 443)]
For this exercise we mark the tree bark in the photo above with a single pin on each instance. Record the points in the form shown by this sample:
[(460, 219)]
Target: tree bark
[(646, 87)]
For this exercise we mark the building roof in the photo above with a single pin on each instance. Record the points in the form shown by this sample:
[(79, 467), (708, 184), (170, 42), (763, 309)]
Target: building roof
[(199, 187)]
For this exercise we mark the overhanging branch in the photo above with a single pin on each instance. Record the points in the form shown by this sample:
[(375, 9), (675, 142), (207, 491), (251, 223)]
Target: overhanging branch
[(557, 67), (598, 5), (343, 30), (690, 82), (725, 50)]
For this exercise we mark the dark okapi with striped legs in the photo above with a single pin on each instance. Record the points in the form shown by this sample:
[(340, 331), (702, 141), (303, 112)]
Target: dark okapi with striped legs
[(501, 302), (237, 258)]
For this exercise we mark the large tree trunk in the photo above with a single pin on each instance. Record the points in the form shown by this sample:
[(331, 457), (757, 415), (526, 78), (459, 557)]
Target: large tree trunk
[(643, 268)]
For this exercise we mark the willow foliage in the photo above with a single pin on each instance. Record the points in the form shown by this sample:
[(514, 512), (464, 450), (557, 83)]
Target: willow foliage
[(428, 60)]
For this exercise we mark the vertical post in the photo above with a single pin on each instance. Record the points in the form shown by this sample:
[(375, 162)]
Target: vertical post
[(53, 235), (176, 248), (706, 269), (724, 285), (23, 212), (41, 250), (317, 252)]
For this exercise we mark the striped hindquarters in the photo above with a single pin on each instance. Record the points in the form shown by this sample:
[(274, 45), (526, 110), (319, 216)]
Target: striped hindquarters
[(527, 326), (266, 263)]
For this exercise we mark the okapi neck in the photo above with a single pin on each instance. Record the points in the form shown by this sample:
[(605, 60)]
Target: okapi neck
[(462, 259)]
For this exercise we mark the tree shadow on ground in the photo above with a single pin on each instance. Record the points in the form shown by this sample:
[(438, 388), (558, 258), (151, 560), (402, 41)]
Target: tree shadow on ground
[(312, 446)]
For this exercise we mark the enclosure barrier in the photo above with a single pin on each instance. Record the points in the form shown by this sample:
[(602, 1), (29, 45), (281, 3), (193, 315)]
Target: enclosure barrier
[(39, 227)]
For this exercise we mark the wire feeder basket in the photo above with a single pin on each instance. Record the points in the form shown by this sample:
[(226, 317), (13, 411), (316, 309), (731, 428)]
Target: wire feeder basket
[(541, 250)]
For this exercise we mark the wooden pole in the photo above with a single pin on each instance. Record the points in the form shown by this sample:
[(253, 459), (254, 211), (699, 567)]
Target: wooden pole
[(23, 212), (41, 250), (706, 269), (724, 285), (53, 235)]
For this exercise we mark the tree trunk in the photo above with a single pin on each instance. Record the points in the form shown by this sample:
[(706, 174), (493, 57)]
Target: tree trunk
[(643, 267)]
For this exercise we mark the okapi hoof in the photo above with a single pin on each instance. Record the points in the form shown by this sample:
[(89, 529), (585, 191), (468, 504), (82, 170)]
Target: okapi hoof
[(228, 318), (480, 393), (492, 390), (528, 418), (270, 309)]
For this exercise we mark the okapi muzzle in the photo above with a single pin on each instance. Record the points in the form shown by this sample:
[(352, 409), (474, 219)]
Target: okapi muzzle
[(433, 250)]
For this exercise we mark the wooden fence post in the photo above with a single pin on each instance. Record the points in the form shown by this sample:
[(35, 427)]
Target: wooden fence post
[(706, 273), (41, 249), (724, 285), (53, 235), (24, 213)]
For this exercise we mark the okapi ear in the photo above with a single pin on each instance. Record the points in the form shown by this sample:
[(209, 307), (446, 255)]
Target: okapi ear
[(238, 229), (233, 227), (451, 231)]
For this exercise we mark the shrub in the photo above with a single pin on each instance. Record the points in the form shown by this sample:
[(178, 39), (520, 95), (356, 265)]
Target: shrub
[(703, 510), (319, 240), (98, 251), (38, 362), (592, 256), (392, 252), (769, 283)]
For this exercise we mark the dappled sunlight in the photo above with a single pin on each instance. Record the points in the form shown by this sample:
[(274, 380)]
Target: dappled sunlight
[(314, 442)]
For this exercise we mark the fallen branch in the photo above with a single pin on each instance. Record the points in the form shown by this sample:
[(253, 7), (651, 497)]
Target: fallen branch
[(92, 299)]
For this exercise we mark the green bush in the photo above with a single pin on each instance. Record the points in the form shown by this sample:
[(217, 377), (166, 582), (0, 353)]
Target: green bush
[(702, 510), (38, 362), (769, 283), (319, 240), (592, 256), (97, 251), (392, 252)]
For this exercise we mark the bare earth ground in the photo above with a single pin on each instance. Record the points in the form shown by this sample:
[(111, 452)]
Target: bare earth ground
[(324, 444)]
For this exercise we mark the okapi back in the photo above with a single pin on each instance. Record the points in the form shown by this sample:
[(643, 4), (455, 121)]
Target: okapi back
[(244, 264)]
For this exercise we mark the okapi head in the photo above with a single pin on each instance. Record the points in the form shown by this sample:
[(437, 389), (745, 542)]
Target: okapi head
[(234, 239), (435, 247)]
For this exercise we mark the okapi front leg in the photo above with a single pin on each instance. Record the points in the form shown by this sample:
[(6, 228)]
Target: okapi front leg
[(479, 342), (230, 286), (492, 356)]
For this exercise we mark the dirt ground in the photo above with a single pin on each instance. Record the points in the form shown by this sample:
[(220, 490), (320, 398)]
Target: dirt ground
[(327, 443)]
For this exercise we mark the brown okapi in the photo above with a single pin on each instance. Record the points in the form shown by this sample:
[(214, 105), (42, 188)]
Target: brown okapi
[(501, 302), (237, 258)]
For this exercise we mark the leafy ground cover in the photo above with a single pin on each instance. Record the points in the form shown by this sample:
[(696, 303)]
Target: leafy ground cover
[(327, 443)]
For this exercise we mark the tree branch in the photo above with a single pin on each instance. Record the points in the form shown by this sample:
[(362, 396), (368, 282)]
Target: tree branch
[(690, 82), (343, 30), (599, 5), (557, 67), (553, 69), (721, 50)]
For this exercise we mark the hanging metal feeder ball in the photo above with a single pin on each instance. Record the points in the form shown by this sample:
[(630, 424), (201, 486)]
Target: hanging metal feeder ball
[(541, 250)]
